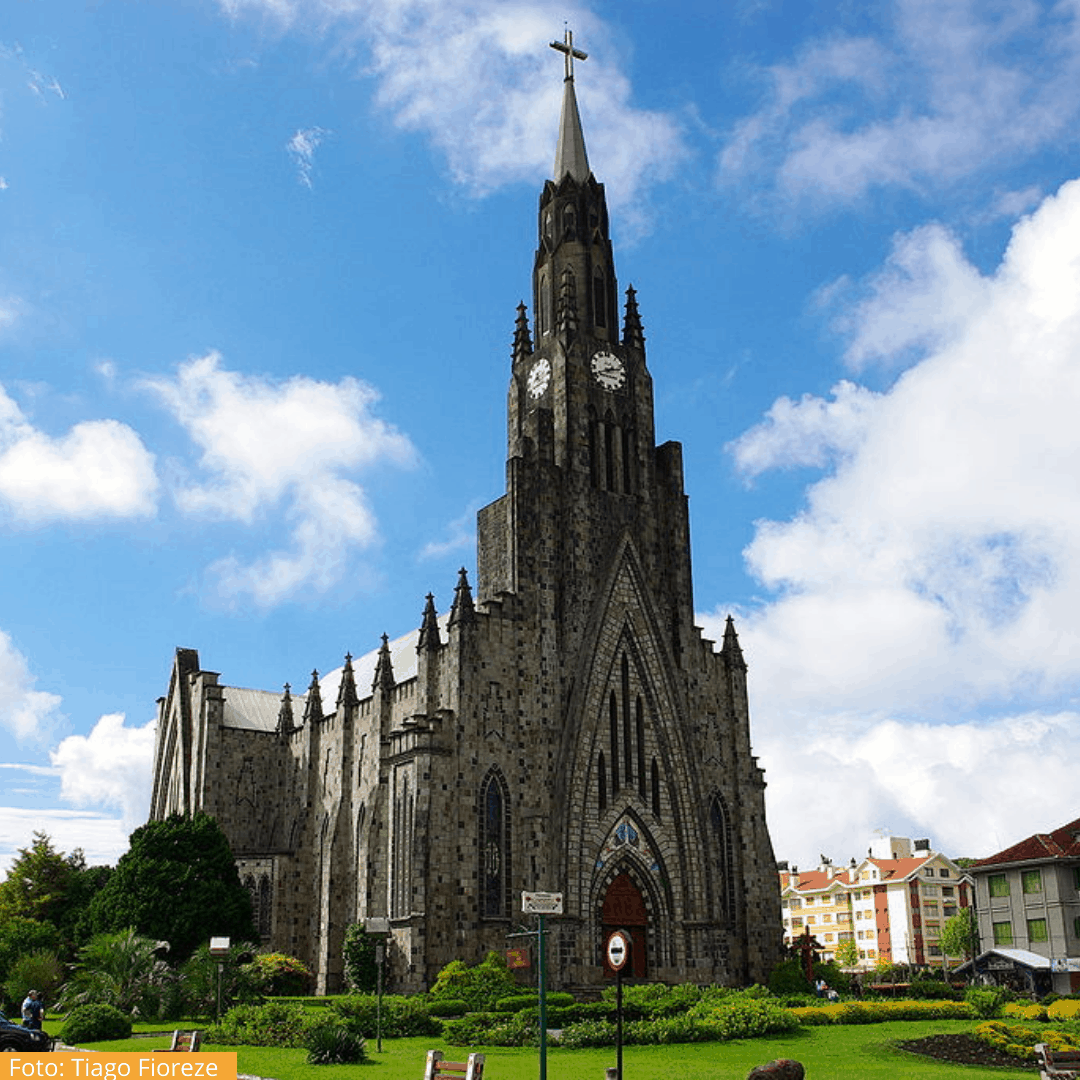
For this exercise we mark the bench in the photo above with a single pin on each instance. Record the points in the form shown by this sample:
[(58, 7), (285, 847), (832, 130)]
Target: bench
[(1057, 1064), (183, 1042), (439, 1069)]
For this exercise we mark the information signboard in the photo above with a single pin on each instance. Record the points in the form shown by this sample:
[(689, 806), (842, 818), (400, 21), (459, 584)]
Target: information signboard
[(542, 903)]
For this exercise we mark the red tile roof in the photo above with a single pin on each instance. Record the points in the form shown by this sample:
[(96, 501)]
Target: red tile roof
[(1063, 843)]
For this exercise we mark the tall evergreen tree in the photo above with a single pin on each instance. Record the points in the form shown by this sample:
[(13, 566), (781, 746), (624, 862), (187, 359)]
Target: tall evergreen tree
[(176, 883)]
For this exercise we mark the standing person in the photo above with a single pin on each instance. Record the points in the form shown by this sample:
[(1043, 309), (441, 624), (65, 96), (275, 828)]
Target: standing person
[(32, 1010)]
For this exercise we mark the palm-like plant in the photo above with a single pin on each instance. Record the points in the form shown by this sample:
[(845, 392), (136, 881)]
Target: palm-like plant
[(122, 969)]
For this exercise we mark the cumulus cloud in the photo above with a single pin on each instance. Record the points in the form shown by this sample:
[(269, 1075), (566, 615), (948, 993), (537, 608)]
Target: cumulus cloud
[(98, 469), (933, 574), (110, 767), (493, 116), (102, 837), (28, 714), (287, 447), (940, 90)]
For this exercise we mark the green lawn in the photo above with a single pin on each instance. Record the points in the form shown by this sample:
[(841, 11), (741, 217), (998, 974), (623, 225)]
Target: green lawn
[(856, 1052)]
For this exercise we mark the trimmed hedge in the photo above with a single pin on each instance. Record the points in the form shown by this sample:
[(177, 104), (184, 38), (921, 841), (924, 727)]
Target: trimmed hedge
[(273, 1024)]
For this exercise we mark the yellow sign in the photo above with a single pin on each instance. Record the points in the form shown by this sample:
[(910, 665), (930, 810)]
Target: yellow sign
[(128, 1066)]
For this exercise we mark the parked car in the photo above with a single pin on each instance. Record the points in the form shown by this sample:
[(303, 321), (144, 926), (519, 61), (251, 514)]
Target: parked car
[(14, 1037)]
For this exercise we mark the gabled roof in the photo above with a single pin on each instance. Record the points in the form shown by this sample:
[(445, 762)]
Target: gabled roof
[(815, 881), (1062, 843)]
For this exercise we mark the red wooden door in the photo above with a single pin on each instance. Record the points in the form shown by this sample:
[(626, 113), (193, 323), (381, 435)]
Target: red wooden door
[(624, 909)]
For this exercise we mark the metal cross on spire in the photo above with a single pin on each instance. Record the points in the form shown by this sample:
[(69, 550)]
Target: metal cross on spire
[(566, 47)]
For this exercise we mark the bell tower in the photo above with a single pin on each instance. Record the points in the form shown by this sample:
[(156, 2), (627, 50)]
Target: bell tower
[(583, 471)]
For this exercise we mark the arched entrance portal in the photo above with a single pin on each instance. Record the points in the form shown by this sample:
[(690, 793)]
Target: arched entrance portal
[(624, 909)]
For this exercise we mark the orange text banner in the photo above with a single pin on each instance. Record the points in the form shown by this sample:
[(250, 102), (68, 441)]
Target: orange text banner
[(128, 1066)]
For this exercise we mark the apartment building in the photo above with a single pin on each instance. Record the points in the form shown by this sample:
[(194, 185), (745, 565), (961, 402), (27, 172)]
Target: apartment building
[(892, 905), (1028, 900)]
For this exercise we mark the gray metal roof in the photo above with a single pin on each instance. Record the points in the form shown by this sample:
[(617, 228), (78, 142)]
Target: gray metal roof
[(251, 710), (257, 710)]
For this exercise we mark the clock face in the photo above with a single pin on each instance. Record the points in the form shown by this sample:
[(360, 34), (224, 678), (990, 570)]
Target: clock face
[(539, 377), (608, 370)]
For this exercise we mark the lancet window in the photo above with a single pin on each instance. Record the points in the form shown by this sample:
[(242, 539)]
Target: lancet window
[(494, 846)]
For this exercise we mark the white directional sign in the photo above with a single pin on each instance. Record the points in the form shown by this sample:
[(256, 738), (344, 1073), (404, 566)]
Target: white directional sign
[(618, 949), (541, 903)]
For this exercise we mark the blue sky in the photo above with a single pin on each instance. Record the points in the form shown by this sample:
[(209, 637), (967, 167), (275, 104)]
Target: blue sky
[(259, 264)]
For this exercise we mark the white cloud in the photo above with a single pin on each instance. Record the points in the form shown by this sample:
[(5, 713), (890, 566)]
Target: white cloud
[(110, 767), (288, 447), (29, 715), (102, 838), (99, 469), (460, 535), (808, 432), (477, 79), (933, 576), (944, 89), (302, 147)]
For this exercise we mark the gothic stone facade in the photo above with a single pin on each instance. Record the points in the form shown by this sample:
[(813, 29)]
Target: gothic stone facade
[(568, 730)]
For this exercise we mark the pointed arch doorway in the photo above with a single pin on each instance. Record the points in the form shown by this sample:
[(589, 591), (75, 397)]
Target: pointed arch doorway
[(624, 909)]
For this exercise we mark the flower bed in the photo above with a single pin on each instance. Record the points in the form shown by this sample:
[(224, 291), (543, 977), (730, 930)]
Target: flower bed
[(878, 1012), (1019, 1040)]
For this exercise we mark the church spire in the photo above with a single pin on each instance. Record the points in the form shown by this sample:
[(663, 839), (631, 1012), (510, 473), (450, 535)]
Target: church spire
[(285, 720), (633, 336), (731, 650), (429, 628), (313, 708), (462, 610), (570, 156), (347, 690), (384, 668), (523, 345)]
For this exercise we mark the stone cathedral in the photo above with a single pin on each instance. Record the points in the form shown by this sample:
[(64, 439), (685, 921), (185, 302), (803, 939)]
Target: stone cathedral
[(565, 727)]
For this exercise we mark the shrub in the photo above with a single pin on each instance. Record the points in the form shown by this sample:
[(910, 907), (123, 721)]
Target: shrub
[(273, 1024), (335, 1042), (1019, 1040), (402, 1016), (517, 1002), (95, 1023), (589, 1033), (481, 986), (276, 973), (1016, 1011), (875, 1012), (985, 1000), (493, 1029), (1064, 1009), (448, 1007), (41, 968), (934, 990)]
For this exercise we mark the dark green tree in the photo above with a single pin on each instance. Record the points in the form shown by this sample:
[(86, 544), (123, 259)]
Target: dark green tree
[(176, 883)]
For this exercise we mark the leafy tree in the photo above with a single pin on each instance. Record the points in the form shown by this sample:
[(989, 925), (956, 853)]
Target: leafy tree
[(41, 883), (19, 936), (177, 883), (847, 954), (40, 970), (960, 934)]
